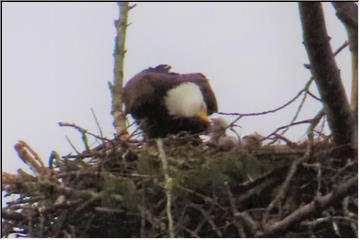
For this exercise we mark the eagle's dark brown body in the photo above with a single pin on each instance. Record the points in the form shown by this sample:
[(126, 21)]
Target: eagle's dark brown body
[(144, 96)]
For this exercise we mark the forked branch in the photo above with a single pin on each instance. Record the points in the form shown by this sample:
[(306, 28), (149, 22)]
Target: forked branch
[(326, 73)]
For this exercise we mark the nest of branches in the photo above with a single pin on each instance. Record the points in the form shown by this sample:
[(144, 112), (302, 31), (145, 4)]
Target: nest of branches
[(182, 187)]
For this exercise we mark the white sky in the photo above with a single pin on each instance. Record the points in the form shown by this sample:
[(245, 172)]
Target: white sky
[(57, 60)]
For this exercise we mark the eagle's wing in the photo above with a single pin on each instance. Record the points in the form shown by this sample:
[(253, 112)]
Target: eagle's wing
[(145, 90), (137, 93)]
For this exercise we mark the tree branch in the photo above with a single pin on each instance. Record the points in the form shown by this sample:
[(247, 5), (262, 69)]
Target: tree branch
[(326, 73), (30, 158), (347, 12), (316, 205), (285, 186), (119, 54), (168, 186)]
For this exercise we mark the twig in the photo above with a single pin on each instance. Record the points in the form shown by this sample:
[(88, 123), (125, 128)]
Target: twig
[(168, 186), (315, 121), (334, 225), (132, 6), (34, 154), (264, 182), (262, 113), (306, 88), (97, 124), (207, 217), (343, 169), (82, 130), (241, 115), (206, 198), (248, 221), (321, 203), (108, 210), (313, 96), (30, 157), (71, 144), (200, 225), (350, 215), (56, 156), (135, 132), (193, 233), (238, 137), (235, 212), (345, 44), (287, 141), (317, 167), (327, 219), (86, 203), (284, 188), (307, 121)]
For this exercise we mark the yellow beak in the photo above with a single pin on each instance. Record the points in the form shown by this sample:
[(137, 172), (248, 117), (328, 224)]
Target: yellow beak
[(202, 115)]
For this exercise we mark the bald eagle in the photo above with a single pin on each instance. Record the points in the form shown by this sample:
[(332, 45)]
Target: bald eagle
[(164, 102)]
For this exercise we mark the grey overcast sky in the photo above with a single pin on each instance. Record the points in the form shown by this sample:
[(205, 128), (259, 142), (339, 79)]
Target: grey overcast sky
[(57, 60)]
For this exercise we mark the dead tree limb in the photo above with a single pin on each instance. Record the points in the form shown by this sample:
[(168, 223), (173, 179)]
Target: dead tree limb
[(285, 186), (347, 12), (326, 73), (119, 54), (30, 158), (168, 187), (318, 204)]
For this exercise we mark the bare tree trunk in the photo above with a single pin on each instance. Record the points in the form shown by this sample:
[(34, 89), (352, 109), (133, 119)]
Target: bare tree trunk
[(119, 54), (327, 74), (347, 12)]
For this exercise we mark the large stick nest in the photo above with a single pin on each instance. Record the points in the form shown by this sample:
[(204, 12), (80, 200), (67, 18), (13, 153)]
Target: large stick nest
[(118, 190)]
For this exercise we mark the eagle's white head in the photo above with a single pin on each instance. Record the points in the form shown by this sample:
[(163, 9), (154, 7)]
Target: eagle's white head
[(186, 100)]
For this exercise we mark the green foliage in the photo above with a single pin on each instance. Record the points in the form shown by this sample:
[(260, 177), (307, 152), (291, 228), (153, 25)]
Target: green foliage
[(120, 192), (148, 164), (231, 167)]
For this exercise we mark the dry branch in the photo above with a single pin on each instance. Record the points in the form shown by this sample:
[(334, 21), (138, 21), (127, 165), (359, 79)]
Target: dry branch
[(348, 14), (168, 187), (208, 193), (30, 158), (285, 186), (317, 205), (119, 54)]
